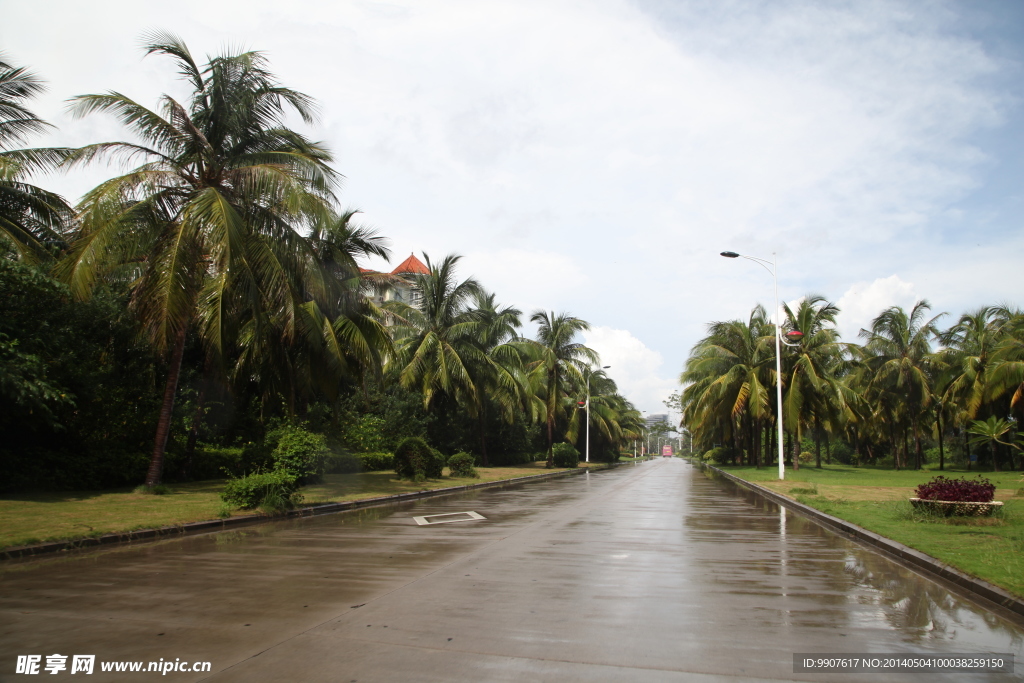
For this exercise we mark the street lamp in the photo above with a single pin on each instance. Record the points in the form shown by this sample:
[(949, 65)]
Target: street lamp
[(603, 367), (764, 263)]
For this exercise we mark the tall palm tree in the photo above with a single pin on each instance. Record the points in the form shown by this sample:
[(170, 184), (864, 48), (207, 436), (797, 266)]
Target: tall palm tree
[(32, 220), (437, 342), (209, 228), (558, 361), (899, 361), (497, 369), (813, 395), (728, 380)]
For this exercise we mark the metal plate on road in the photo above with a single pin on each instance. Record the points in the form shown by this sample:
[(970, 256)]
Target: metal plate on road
[(427, 520)]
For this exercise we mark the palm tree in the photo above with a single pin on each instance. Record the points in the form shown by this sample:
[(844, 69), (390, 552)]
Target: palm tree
[(209, 228), (558, 361), (728, 382), (32, 220), (497, 369), (899, 362), (813, 395), (991, 432), (436, 343)]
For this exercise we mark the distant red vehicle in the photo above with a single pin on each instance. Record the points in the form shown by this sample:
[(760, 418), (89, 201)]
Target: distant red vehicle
[(666, 451)]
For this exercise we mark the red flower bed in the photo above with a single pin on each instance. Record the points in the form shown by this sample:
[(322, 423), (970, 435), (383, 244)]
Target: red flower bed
[(965, 490)]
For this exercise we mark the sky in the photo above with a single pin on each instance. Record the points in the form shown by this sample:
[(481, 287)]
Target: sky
[(595, 157)]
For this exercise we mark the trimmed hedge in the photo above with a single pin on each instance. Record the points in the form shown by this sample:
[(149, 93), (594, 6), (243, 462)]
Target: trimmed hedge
[(415, 459), (565, 455), (461, 465), (376, 462)]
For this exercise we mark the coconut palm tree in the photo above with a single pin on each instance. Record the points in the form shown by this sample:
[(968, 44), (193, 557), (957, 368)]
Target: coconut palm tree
[(209, 228), (558, 362), (32, 220), (437, 342), (897, 357), (813, 396), (728, 381)]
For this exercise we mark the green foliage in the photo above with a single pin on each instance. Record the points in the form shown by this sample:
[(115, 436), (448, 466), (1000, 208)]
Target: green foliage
[(344, 462), (301, 453), (415, 459), (461, 465), (565, 455), (806, 458), (720, 455), (366, 433), (274, 488), (376, 462)]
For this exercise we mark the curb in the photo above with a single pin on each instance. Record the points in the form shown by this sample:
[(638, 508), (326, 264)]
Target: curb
[(977, 588), (215, 525)]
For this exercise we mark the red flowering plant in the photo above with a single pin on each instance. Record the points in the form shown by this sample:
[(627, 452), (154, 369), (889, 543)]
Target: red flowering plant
[(963, 490)]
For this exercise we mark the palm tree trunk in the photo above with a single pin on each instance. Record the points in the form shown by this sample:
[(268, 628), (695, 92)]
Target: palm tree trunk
[(551, 442), (919, 454), (163, 425), (817, 442), (828, 449), (942, 453), (483, 437), (796, 451)]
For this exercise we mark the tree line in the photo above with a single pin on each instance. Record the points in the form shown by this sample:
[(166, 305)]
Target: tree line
[(909, 390), (212, 288)]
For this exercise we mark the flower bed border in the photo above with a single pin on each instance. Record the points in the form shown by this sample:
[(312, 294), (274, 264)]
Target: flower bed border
[(950, 508)]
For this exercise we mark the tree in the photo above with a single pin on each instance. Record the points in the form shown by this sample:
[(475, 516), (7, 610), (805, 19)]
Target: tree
[(436, 343), (558, 362), (32, 220), (897, 358), (209, 228)]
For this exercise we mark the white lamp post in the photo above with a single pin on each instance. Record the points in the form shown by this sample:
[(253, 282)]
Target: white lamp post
[(603, 367), (764, 263)]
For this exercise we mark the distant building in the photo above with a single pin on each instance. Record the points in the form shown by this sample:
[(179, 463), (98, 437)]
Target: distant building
[(657, 418), (404, 288)]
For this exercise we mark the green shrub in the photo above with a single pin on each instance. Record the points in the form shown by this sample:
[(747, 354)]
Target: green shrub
[(806, 458), (344, 462), (256, 489), (461, 465), (301, 453), (213, 462), (720, 455), (376, 462), (414, 459), (565, 455)]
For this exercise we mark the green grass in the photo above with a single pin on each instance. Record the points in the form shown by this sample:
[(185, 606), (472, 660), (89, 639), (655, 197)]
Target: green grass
[(38, 517), (990, 548)]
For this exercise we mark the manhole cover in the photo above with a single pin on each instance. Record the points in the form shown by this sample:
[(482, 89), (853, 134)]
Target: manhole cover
[(447, 517)]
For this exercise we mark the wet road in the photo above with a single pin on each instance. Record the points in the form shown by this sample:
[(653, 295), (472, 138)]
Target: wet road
[(649, 572)]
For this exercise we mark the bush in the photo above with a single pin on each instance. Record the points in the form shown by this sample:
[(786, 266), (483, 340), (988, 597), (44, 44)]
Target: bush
[(565, 455), (461, 465), (963, 490), (344, 463), (376, 462), (274, 488), (414, 459), (720, 455), (301, 453), (806, 458)]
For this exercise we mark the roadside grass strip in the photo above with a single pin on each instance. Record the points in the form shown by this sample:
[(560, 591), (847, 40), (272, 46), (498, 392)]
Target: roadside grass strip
[(28, 518), (990, 548)]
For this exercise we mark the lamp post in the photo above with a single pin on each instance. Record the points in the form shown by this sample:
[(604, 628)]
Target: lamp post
[(778, 343), (603, 367)]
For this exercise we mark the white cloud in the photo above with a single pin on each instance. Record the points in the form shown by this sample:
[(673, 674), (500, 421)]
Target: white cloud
[(864, 301), (636, 369)]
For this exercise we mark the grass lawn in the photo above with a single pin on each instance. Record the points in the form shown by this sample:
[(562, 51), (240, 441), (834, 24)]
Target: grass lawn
[(991, 548), (36, 517)]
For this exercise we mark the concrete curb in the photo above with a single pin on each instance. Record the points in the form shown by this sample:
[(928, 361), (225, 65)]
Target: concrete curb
[(979, 589), (214, 525)]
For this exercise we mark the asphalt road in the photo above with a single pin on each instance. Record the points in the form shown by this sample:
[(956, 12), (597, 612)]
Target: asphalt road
[(649, 572)]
